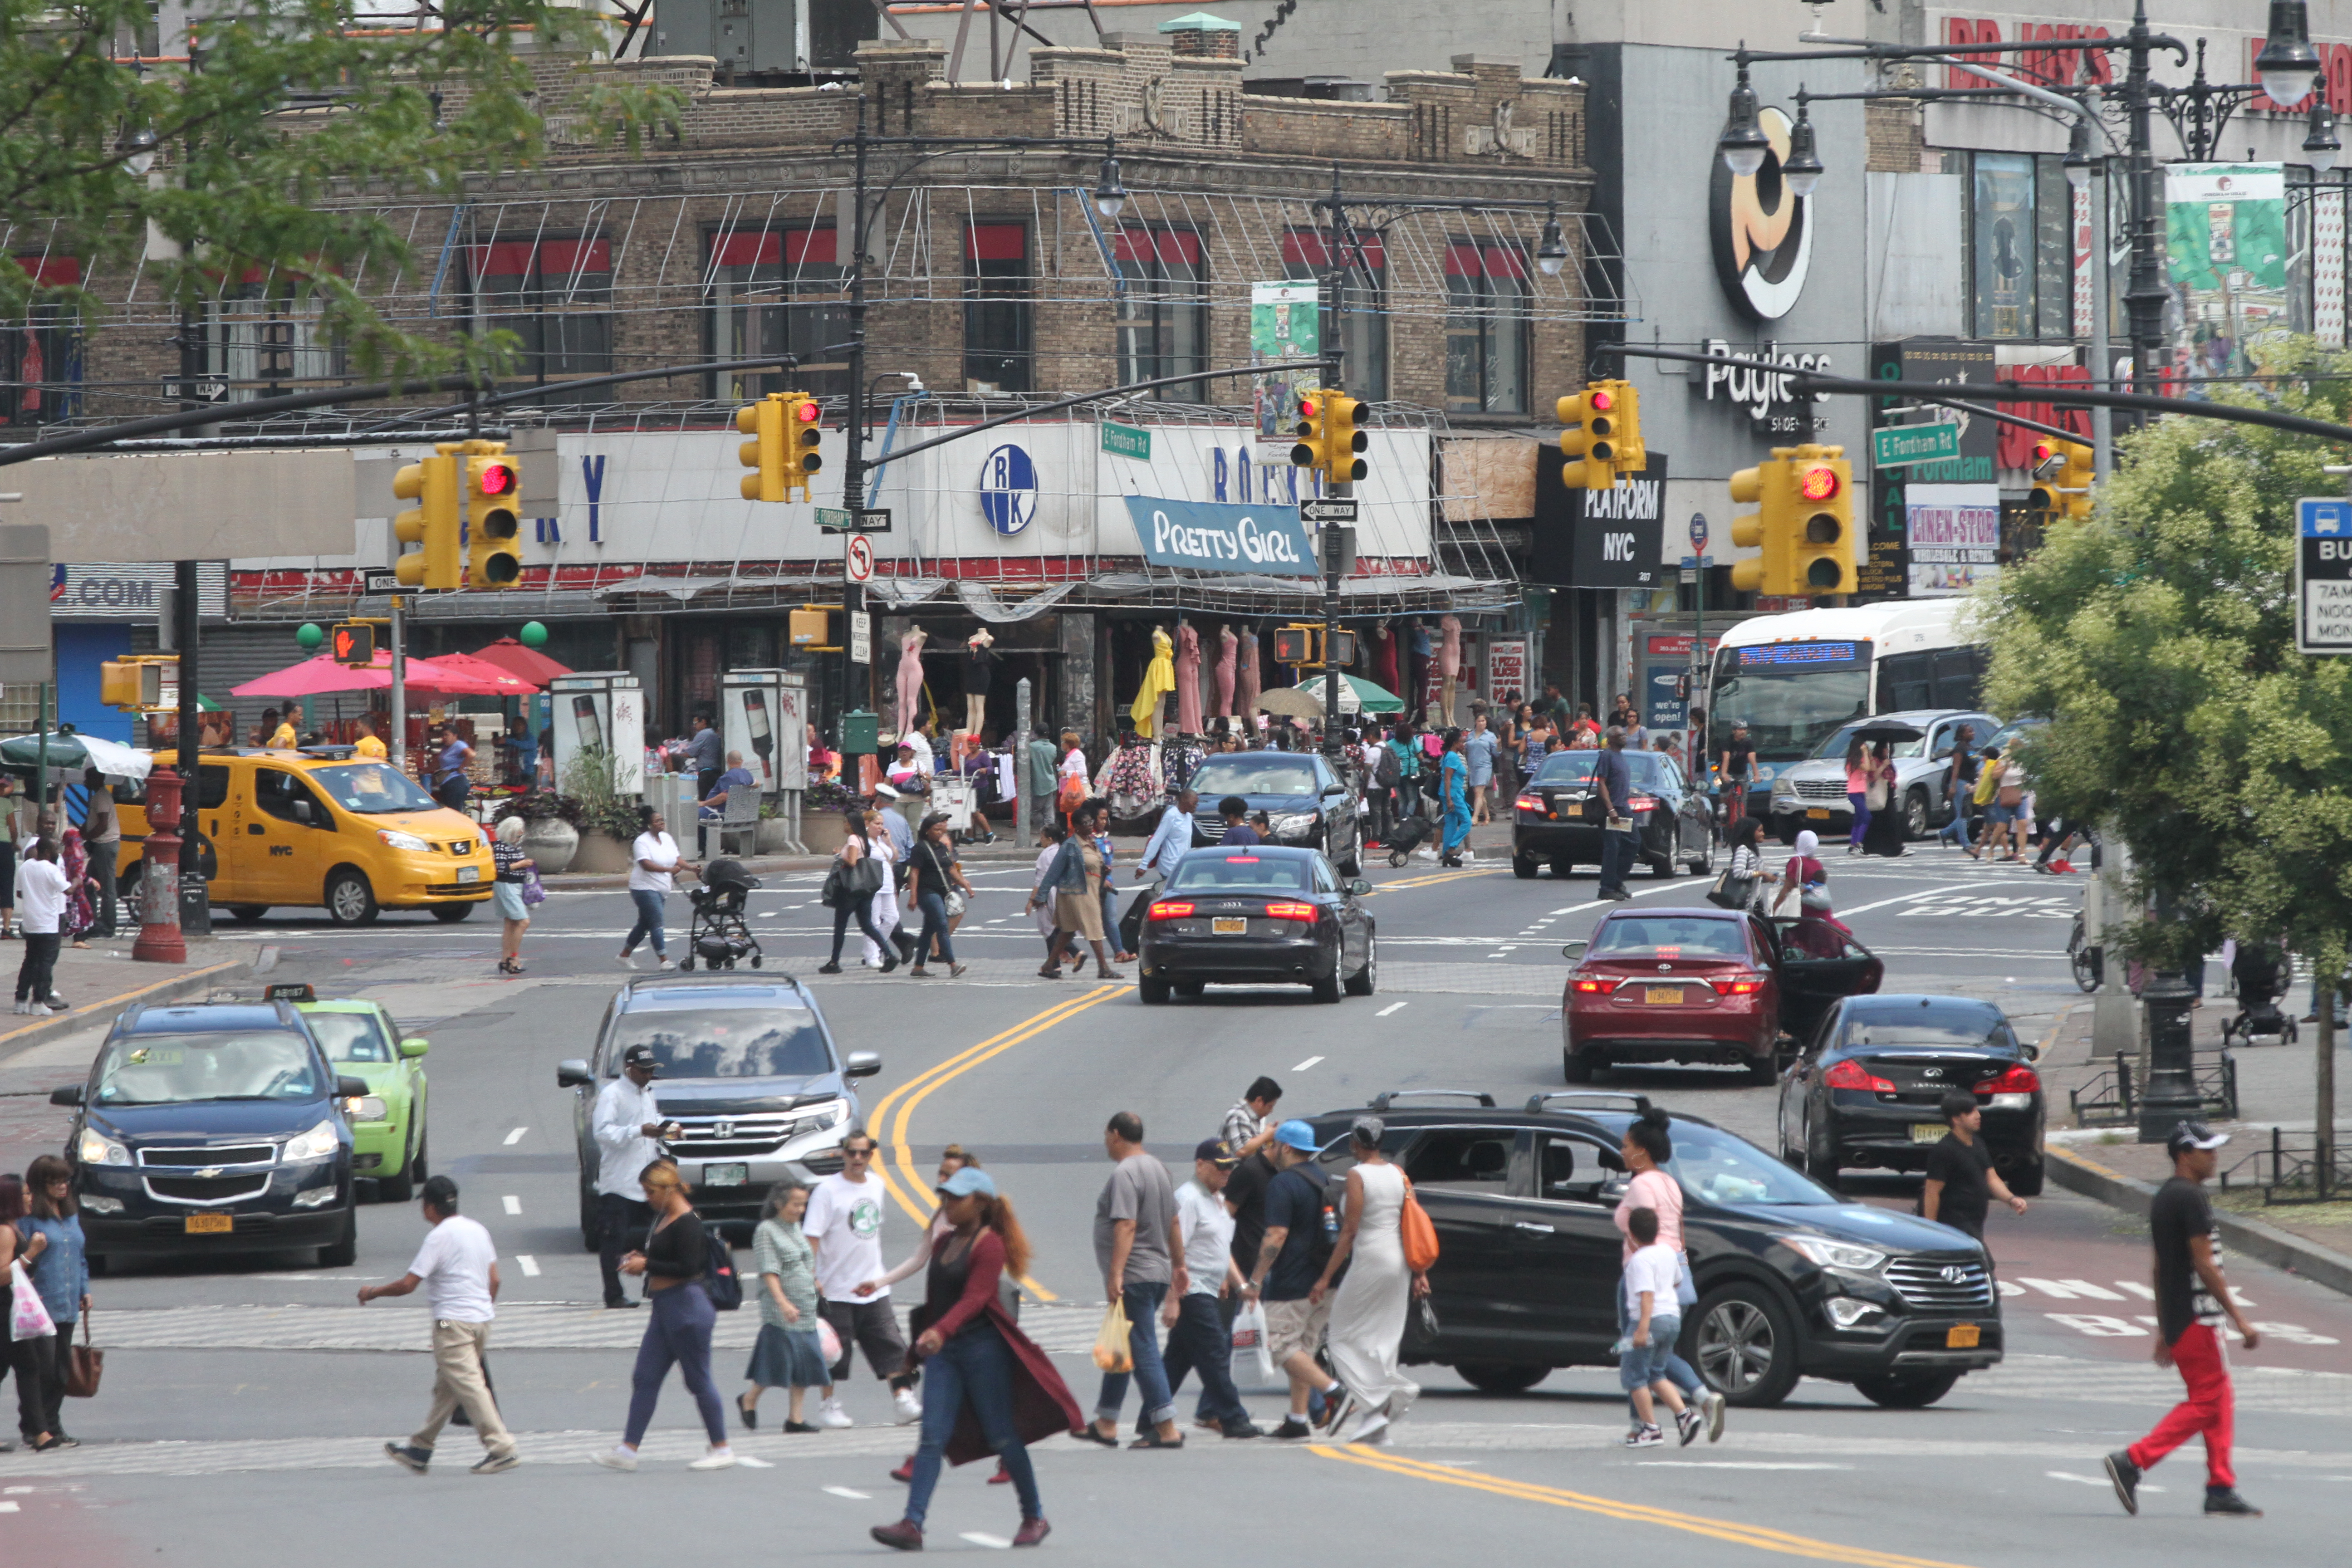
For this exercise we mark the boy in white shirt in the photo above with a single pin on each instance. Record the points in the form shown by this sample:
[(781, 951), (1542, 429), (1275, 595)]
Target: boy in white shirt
[(1649, 1276), (1203, 1340)]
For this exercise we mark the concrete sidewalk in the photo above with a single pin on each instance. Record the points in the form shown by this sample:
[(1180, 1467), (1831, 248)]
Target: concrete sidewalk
[(103, 978)]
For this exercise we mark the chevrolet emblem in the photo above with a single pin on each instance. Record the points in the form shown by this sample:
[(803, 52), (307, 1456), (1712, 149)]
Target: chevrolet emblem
[(210, 1170)]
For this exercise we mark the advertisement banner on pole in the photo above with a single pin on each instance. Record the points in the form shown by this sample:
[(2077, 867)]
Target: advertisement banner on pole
[(1955, 536), (2226, 250), (1286, 322)]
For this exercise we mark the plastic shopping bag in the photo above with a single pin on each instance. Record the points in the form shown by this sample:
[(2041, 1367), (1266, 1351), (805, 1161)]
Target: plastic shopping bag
[(1111, 1352), (28, 1318), (1252, 1355), (828, 1342)]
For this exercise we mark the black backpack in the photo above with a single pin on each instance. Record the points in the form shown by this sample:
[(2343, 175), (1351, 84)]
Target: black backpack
[(720, 1281), (1388, 772)]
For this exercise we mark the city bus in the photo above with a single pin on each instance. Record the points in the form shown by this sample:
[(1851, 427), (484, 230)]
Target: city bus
[(1794, 679)]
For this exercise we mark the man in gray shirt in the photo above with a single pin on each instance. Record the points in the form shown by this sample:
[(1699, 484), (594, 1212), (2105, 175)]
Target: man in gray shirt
[(1140, 1252), (702, 756), (1612, 788)]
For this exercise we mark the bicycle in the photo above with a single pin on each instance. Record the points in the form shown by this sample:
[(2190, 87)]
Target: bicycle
[(2084, 956)]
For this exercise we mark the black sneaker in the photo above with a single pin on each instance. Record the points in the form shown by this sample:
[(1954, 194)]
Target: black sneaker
[(1292, 1426), (2125, 1475), (2226, 1501), (408, 1455), (619, 1303), (829, 968), (495, 1464), (1243, 1428)]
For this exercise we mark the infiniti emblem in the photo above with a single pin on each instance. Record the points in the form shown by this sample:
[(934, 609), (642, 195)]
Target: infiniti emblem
[(1931, 1072), (1954, 1274)]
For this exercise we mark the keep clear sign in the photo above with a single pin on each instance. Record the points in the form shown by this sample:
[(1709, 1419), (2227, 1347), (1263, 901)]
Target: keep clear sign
[(2323, 575)]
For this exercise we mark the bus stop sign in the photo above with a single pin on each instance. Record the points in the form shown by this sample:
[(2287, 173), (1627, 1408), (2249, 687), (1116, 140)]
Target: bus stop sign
[(2323, 575)]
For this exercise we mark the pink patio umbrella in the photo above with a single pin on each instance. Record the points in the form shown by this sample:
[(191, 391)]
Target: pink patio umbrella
[(508, 682), (321, 677)]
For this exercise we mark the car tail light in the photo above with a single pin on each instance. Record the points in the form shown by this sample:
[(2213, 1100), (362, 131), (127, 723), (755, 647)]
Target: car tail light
[(1737, 984), (1306, 912), (1530, 803), (1852, 1075), (2019, 1079), (1590, 987), (1167, 909), (1643, 802)]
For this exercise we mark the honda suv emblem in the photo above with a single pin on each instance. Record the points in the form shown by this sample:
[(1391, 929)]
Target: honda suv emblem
[(722, 1130)]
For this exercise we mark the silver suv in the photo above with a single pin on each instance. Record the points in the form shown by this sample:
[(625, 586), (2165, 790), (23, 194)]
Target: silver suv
[(1812, 793)]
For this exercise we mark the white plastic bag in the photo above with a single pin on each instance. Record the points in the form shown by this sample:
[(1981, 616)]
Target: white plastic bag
[(828, 1342), (1250, 1341), (28, 1316)]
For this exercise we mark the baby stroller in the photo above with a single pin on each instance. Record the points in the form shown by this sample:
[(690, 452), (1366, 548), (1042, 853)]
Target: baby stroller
[(2262, 975), (716, 933)]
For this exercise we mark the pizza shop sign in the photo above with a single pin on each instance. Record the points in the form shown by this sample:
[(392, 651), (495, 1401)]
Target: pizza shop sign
[(1761, 383)]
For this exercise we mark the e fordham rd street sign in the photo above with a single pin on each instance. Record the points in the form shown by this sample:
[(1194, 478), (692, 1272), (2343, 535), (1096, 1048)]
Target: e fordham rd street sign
[(1901, 444), (1126, 441), (2323, 575)]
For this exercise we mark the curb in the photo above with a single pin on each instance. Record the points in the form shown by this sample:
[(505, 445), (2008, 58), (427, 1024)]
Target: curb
[(170, 989), (2277, 1248)]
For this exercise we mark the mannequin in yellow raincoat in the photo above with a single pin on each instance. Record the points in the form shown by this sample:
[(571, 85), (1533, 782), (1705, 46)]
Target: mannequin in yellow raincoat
[(1159, 680)]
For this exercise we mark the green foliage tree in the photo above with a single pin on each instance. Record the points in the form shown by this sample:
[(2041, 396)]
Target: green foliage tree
[(279, 107), (2160, 638)]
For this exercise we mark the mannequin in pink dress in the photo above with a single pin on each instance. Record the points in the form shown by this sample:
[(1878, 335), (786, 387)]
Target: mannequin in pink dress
[(1245, 697), (910, 678), (1188, 680), (1384, 658), (1449, 663), (1227, 645)]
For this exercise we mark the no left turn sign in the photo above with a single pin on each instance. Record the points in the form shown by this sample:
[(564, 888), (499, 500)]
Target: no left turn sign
[(860, 558)]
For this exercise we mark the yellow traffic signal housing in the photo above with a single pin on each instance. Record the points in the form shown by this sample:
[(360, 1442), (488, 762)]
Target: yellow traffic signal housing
[(433, 522), (802, 437), (1312, 451), (354, 645), (2062, 473), (764, 422), (810, 628), (1295, 645), (493, 531), (1763, 487), (131, 684), (1341, 440), (1820, 490), (1631, 456), (1591, 449)]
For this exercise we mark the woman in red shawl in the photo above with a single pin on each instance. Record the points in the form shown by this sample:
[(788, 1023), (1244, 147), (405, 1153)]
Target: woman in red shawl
[(991, 1390)]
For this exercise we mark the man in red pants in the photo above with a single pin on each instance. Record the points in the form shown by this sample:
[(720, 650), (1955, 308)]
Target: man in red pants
[(2191, 1297)]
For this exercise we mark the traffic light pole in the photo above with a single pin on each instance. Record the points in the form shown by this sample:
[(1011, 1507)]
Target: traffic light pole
[(1335, 287), (195, 904), (399, 741), (852, 467)]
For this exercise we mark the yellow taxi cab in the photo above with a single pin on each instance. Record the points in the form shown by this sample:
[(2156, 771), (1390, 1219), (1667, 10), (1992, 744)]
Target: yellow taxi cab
[(324, 827)]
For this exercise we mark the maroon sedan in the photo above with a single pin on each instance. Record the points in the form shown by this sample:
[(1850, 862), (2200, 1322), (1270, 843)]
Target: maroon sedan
[(1703, 985)]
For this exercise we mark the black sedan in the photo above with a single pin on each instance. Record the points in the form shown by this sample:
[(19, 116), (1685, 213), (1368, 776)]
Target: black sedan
[(1557, 816), (1264, 915), (1791, 1282), (1867, 1091), (1306, 802)]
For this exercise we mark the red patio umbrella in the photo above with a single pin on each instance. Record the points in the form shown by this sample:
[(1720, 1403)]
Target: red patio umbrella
[(529, 663), (508, 682), (321, 676)]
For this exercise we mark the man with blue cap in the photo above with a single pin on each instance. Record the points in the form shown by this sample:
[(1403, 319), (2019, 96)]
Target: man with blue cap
[(1300, 1227)]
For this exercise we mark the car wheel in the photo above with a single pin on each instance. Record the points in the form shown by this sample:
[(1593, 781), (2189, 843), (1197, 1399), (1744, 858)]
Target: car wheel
[(245, 915), (1525, 870), (1577, 1066), (1501, 1376), (399, 1189), (345, 1252), (1327, 990), (1914, 814), (1188, 989), (421, 1166), (1904, 1390), (450, 914), (1764, 1070), (1563, 870), (1704, 864), (350, 901), (1670, 863), (1153, 989), (2027, 1183), (1367, 979), (1821, 1165), (1745, 1344)]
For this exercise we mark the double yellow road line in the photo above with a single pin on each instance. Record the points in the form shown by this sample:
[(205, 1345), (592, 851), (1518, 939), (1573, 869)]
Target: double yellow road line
[(1433, 879), (895, 1110), (1755, 1535)]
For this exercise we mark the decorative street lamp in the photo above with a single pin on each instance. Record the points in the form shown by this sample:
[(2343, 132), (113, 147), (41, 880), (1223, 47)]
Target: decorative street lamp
[(1743, 142), (2078, 160), (138, 148), (1803, 169), (1111, 196), (2321, 142), (2288, 64), (1551, 250)]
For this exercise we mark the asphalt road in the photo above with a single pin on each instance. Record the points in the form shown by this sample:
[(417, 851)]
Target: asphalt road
[(245, 1403)]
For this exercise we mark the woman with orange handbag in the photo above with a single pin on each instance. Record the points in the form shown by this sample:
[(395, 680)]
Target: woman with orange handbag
[(1367, 1312)]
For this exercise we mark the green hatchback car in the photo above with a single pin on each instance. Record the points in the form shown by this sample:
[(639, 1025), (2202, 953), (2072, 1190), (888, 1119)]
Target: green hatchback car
[(387, 1122)]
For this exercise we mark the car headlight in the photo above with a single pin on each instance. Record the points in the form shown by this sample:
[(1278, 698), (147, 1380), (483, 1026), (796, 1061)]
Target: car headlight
[(834, 1114), (365, 1107), (1783, 787), (397, 839), (1846, 1312), (1293, 824), (95, 1148), (1833, 1254), (316, 1144)]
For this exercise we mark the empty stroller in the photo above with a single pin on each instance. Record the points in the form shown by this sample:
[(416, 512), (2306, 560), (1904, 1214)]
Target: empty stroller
[(717, 934), (2263, 974)]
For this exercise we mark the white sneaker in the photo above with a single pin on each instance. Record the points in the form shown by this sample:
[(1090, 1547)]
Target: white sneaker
[(666, 963), (617, 1458), (716, 1459), (1714, 1404), (830, 1414), (1374, 1428), (910, 1409), (628, 961)]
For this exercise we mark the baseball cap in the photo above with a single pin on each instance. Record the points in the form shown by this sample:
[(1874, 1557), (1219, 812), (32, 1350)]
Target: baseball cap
[(885, 791), (1298, 1134), (641, 1057), (966, 1181), (1218, 1152), (2190, 1135)]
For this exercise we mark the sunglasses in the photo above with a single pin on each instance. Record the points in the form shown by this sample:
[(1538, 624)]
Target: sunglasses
[(848, 1153)]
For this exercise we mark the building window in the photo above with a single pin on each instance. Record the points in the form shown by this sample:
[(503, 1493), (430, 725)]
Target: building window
[(261, 335), (997, 356), (1364, 323), (1486, 330), (1162, 311), (39, 351), (779, 293), (556, 296)]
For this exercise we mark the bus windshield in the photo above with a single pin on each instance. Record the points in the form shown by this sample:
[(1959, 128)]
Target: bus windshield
[(1792, 696)]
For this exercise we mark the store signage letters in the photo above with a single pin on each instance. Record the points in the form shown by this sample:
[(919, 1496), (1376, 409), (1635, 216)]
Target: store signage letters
[(1761, 383), (1207, 537)]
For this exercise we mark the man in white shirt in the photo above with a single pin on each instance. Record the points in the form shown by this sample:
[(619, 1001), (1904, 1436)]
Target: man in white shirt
[(625, 1123), (458, 1266), (40, 907), (1199, 1337), (843, 1226), (1169, 842)]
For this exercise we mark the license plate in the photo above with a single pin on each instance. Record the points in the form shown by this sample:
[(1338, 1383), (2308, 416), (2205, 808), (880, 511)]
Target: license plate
[(208, 1225), (469, 873), (1671, 995), (1228, 925), (1819, 813), (1928, 1132), (1962, 1337), (738, 1174)]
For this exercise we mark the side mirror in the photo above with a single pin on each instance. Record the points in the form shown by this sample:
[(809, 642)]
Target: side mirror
[(1335, 789), (350, 1088), (2033, 1051), (302, 812), (1359, 886), (65, 1094), (861, 1064), (1574, 949), (415, 1047), (573, 1074)]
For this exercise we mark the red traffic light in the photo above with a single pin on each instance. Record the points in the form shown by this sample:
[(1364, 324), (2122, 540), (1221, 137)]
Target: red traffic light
[(1602, 401), (497, 480), (808, 412), (1818, 484), (1307, 408)]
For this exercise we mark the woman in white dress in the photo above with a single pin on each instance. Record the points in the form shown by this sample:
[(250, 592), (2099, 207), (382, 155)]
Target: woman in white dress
[(1367, 1312)]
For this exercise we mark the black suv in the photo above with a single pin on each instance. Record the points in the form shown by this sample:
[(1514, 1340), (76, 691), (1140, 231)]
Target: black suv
[(1792, 1280), (748, 1071), (1306, 805), (213, 1127)]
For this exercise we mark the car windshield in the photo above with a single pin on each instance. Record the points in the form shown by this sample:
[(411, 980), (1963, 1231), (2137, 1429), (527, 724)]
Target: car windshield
[(1834, 747), (1204, 873), (168, 1069), (370, 789), (766, 1041), (1647, 769), (349, 1036), (1719, 1168), (1266, 772), (1790, 695), (1930, 1026), (1669, 936)]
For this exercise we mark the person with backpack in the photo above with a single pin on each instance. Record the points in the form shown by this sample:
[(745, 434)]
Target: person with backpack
[(1293, 1254), (676, 1265)]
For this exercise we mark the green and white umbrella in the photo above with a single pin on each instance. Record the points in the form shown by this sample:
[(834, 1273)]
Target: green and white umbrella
[(1357, 695)]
